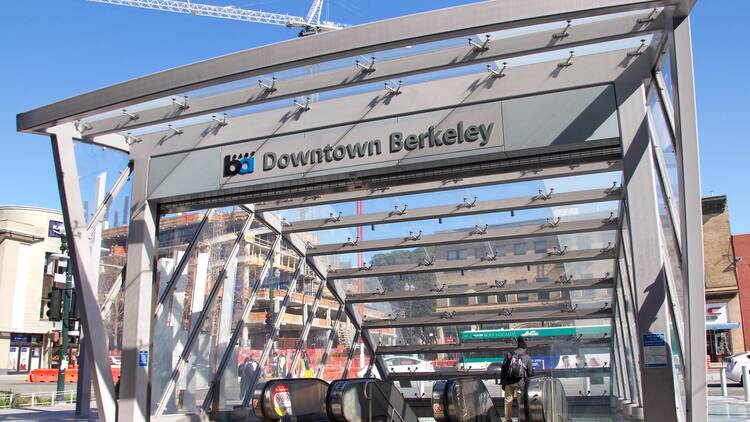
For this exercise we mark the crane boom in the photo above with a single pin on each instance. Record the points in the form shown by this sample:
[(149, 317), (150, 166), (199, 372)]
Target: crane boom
[(310, 25)]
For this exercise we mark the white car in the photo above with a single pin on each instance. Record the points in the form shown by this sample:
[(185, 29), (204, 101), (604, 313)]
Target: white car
[(407, 364), (403, 364), (736, 362)]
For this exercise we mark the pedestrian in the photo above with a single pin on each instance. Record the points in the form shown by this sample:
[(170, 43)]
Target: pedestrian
[(243, 371), (306, 370), (516, 368), (282, 365), (275, 365)]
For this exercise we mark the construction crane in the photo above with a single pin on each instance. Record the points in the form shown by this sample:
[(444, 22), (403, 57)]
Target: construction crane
[(309, 25)]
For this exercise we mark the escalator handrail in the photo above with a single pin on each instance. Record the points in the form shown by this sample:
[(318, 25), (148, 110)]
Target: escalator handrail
[(387, 399)]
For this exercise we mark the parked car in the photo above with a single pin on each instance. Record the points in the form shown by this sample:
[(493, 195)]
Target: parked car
[(403, 364), (407, 364), (736, 362)]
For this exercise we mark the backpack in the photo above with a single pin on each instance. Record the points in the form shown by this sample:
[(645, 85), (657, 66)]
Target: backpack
[(517, 367)]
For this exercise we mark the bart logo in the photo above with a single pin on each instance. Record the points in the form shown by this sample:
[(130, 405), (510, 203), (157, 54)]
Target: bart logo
[(239, 164)]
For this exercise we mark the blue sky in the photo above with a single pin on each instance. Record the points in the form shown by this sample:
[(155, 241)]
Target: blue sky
[(57, 49)]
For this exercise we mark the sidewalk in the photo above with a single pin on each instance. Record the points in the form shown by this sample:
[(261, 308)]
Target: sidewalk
[(728, 409), (62, 413)]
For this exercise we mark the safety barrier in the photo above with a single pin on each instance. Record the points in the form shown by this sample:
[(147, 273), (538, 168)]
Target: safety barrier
[(51, 398), (71, 375)]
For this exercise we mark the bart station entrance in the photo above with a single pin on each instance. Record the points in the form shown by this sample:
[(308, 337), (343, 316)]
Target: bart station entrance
[(360, 224)]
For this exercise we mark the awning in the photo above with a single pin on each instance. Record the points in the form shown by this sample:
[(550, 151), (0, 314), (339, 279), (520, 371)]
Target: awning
[(722, 325)]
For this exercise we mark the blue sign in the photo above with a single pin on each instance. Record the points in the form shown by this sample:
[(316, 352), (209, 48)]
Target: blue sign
[(654, 350), (143, 358), (56, 229)]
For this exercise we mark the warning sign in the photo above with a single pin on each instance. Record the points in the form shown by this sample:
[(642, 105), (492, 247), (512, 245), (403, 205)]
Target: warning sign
[(282, 401), (654, 350)]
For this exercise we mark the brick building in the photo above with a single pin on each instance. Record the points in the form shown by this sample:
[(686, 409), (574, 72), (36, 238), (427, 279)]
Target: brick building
[(741, 247), (724, 332)]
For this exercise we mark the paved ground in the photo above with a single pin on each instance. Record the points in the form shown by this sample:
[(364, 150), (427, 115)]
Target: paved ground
[(19, 384)]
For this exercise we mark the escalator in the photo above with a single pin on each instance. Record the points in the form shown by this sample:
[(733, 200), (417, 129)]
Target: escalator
[(467, 400), (299, 400), (463, 400), (314, 400), (367, 399)]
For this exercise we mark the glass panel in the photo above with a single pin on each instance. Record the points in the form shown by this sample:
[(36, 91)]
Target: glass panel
[(190, 296), (334, 364), (314, 347), (678, 367), (663, 140), (672, 255)]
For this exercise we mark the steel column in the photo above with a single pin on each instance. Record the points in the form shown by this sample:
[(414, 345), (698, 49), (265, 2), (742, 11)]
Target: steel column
[(80, 252), (691, 219), (651, 290)]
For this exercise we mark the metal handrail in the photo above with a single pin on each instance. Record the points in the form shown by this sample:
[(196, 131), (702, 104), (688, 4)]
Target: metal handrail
[(393, 408)]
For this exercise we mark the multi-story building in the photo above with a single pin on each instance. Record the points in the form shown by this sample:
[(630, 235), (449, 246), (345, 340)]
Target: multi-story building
[(28, 237), (724, 335)]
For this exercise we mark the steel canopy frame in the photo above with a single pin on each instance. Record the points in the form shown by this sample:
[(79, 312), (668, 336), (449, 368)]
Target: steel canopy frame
[(626, 70), (348, 42)]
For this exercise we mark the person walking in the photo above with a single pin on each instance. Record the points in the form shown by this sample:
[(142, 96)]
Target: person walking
[(516, 368), (244, 371)]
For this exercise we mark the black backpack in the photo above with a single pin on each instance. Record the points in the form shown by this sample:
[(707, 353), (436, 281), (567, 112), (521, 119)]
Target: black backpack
[(517, 369)]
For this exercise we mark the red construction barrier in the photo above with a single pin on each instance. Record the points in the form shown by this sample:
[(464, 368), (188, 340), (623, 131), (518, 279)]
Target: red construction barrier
[(71, 375)]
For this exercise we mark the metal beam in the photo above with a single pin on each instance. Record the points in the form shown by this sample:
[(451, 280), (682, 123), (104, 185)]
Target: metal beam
[(492, 289), (442, 96), (563, 343), (472, 264), (275, 330), (80, 255), (329, 343), (180, 268), (349, 42), (119, 183), (198, 324), (658, 380), (489, 318), (306, 329), (114, 290), (442, 184), (484, 374), (453, 210), (237, 331), (350, 357), (478, 234), (503, 48), (688, 169)]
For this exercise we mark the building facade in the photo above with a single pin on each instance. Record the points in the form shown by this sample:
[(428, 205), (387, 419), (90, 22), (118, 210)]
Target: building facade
[(28, 237), (741, 249), (724, 335)]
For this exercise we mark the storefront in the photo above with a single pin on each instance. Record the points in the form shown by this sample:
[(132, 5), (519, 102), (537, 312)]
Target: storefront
[(25, 353), (718, 332)]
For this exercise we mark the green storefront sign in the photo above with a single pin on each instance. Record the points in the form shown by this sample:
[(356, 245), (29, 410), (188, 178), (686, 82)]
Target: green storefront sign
[(534, 332)]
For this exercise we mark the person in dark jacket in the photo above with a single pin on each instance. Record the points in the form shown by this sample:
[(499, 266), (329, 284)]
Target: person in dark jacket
[(516, 368)]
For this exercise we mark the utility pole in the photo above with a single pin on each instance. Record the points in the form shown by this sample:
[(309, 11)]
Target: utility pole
[(66, 300)]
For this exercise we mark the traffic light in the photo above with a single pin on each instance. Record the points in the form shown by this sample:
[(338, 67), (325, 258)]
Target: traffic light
[(54, 305), (74, 313)]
